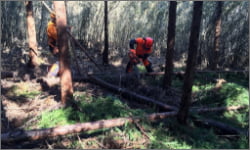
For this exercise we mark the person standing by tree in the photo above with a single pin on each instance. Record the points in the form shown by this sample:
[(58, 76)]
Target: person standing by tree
[(52, 42), (141, 53), (52, 35)]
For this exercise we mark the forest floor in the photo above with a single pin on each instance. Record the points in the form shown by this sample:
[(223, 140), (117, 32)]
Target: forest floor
[(24, 102)]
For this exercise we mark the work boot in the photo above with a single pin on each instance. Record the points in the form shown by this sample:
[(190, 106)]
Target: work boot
[(149, 68)]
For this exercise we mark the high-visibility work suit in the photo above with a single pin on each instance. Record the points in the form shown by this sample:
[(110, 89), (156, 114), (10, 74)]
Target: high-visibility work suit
[(141, 53), (53, 69), (52, 35)]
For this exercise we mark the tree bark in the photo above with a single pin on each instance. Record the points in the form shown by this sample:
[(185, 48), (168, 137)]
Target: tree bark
[(170, 45), (79, 127), (65, 72), (215, 52), (126, 93), (189, 72), (33, 62), (106, 42)]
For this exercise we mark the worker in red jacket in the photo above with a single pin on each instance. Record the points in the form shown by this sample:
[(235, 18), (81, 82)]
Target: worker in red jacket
[(141, 53)]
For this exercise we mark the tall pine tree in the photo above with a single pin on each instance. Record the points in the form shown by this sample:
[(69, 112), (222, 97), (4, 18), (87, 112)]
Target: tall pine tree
[(65, 72), (191, 62), (33, 57), (170, 45)]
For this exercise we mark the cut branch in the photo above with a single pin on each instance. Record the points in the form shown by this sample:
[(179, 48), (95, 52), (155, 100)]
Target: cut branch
[(91, 59), (128, 94)]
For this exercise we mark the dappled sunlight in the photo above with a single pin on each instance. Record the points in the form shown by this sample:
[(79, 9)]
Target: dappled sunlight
[(108, 108)]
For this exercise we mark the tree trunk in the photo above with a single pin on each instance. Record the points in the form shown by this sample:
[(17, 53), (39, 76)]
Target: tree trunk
[(214, 63), (79, 127), (170, 45), (65, 72), (33, 62), (41, 29), (106, 42), (189, 72)]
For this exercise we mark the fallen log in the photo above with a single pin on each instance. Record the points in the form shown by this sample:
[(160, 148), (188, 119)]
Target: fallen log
[(125, 75), (128, 94), (224, 128), (79, 127), (82, 127), (197, 71), (226, 108), (227, 129)]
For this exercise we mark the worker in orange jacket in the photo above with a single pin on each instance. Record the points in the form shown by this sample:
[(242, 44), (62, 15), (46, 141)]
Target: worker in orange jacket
[(52, 34), (141, 53), (52, 42)]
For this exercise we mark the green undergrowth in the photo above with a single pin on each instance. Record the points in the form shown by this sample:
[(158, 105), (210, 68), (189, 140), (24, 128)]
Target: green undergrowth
[(163, 134), (89, 109), (229, 94), (172, 135), (22, 91)]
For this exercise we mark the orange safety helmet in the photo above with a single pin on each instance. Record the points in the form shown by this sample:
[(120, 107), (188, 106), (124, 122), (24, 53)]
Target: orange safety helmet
[(148, 42), (52, 15)]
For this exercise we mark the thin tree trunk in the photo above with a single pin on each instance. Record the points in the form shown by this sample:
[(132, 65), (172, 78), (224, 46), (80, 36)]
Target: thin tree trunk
[(65, 72), (170, 45), (33, 62), (106, 42), (192, 54), (214, 63), (40, 36)]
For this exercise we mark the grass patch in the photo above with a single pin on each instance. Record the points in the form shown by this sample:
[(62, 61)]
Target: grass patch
[(90, 110), (172, 135), (23, 91), (164, 134), (230, 94)]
